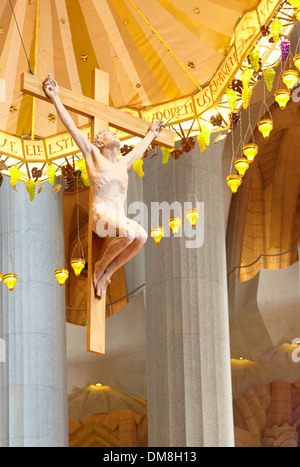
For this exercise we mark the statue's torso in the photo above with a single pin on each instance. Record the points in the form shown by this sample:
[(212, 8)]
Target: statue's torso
[(109, 182)]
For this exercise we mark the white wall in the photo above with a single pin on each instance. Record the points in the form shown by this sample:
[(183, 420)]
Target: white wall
[(124, 364)]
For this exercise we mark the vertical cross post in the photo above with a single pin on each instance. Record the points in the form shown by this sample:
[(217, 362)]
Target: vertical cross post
[(96, 308)]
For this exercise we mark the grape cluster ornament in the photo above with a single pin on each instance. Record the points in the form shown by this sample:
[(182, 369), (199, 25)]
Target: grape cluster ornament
[(254, 59), (231, 97), (285, 47), (269, 76), (233, 118)]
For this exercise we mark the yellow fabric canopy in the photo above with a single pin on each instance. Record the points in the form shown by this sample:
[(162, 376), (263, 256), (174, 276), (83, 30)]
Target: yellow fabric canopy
[(155, 51)]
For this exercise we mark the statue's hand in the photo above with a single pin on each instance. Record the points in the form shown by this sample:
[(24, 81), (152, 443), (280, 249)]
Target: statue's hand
[(50, 87), (156, 127)]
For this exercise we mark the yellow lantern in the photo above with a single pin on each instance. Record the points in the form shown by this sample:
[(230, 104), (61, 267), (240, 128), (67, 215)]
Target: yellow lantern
[(290, 78), (175, 223), (78, 265), (10, 280), (265, 126), (234, 182), (297, 59), (0, 277), (192, 216), (61, 275), (282, 97), (242, 165), (250, 151), (157, 234)]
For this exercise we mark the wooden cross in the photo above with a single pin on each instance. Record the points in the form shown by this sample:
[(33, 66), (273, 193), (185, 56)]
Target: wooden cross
[(102, 116)]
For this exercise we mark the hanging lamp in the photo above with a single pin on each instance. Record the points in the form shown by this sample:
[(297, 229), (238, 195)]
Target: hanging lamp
[(175, 223), (78, 265), (297, 61), (290, 78), (192, 215), (250, 151), (242, 165), (282, 97), (157, 234), (61, 275), (234, 182), (265, 126), (10, 280)]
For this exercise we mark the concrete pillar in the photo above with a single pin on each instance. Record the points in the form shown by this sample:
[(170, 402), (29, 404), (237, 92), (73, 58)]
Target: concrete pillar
[(33, 407), (188, 350)]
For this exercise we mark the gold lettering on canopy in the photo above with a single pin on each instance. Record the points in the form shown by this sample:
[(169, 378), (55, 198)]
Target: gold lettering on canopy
[(11, 146), (34, 151)]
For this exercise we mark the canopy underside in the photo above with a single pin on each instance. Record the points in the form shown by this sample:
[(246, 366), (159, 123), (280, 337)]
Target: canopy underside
[(154, 51)]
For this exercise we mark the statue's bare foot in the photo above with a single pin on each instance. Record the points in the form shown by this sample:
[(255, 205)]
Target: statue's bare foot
[(102, 285), (98, 273)]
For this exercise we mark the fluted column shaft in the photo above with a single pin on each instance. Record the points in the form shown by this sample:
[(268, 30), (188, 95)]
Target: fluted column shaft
[(33, 408), (188, 356)]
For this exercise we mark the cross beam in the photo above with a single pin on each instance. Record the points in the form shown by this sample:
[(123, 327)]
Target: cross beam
[(94, 109)]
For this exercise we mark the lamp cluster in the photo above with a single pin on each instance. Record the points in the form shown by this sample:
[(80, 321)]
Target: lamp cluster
[(175, 223), (62, 274), (282, 96)]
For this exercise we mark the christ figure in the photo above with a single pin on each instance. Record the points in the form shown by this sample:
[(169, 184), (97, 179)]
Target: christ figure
[(108, 177)]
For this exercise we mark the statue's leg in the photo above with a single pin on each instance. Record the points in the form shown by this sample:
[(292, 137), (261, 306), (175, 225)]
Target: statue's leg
[(120, 230), (122, 258), (114, 248)]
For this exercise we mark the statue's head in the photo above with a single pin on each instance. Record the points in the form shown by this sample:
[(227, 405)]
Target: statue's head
[(107, 139)]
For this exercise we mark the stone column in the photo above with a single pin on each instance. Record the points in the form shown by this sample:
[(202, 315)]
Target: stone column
[(188, 350), (33, 408)]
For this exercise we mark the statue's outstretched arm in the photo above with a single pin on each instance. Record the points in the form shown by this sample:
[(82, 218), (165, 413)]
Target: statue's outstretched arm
[(138, 151), (51, 90)]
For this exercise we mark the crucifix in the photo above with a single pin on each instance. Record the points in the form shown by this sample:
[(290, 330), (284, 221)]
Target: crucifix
[(102, 116)]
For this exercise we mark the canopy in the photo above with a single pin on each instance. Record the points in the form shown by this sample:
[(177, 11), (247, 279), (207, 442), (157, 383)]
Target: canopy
[(156, 52)]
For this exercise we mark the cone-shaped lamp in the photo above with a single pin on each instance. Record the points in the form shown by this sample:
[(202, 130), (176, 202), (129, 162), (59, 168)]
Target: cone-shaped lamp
[(290, 78), (61, 275), (297, 59), (242, 165), (234, 182), (157, 234), (175, 223), (10, 280), (78, 265), (265, 126), (250, 151), (282, 97), (192, 216)]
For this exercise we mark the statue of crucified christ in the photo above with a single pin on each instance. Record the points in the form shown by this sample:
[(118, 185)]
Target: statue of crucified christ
[(108, 179)]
